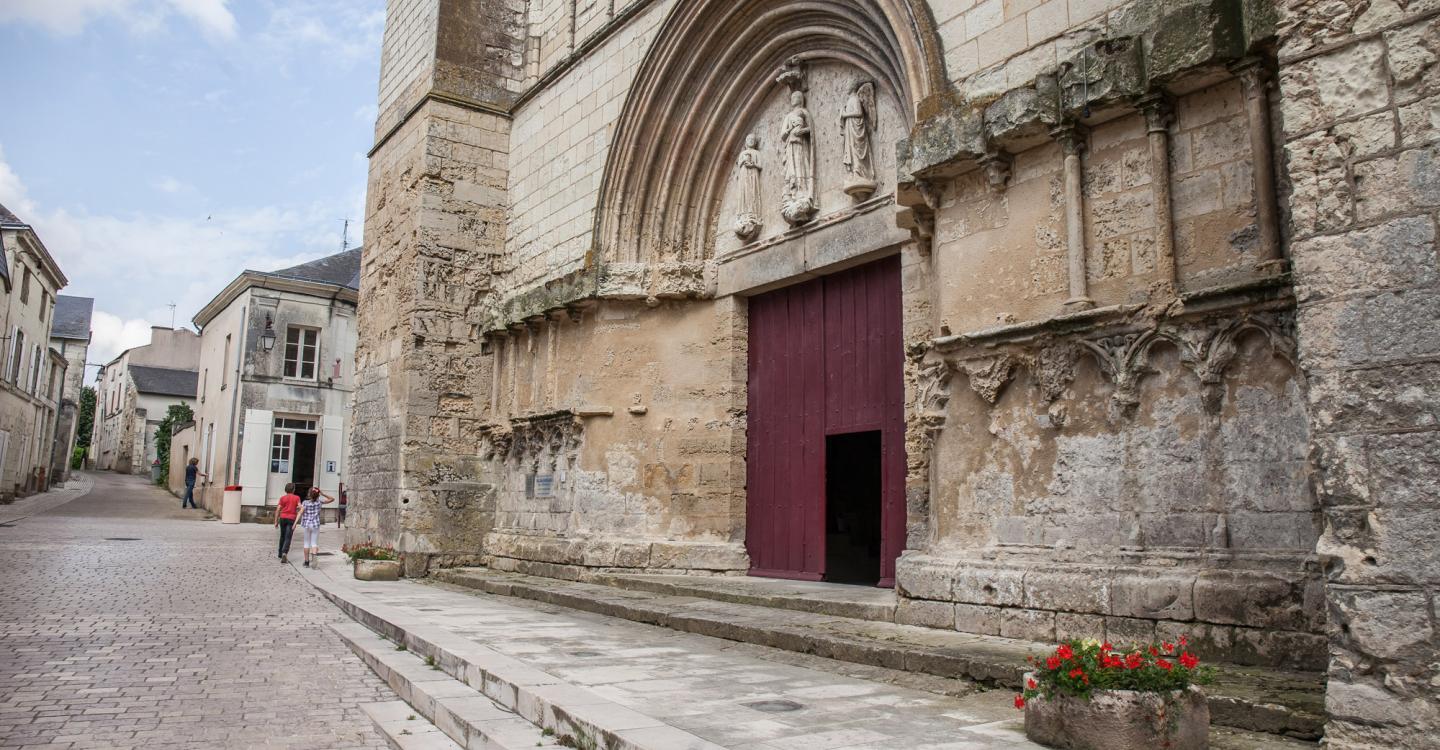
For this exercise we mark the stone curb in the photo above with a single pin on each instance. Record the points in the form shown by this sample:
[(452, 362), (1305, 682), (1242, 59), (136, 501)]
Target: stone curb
[(986, 659), (79, 486), (536, 696)]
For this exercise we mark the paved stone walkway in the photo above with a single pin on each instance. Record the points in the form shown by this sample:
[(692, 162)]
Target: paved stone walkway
[(190, 636)]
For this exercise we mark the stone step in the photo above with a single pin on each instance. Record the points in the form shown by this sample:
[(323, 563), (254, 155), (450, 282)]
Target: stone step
[(457, 713), (1250, 698), (404, 729), (837, 600), (516, 706)]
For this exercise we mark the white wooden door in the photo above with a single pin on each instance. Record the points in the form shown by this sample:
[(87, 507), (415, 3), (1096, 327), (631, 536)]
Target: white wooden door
[(255, 456), (332, 452)]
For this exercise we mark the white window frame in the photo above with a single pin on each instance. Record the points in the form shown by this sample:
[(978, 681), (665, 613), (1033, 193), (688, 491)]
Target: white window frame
[(17, 366), (282, 448), (301, 358)]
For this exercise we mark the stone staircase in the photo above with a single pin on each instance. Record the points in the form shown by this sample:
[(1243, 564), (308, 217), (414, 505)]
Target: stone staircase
[(857, 625)]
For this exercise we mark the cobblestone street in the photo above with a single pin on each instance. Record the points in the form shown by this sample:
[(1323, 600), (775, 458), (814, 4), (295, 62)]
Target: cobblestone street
[(127, 622)]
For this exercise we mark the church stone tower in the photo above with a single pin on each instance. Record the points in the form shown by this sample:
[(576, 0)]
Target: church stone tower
[(434, 225)]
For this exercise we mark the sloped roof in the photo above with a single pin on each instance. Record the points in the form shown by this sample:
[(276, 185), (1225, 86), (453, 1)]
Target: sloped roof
[(163, 381), (7, 218), (342, 269), (72, 317)]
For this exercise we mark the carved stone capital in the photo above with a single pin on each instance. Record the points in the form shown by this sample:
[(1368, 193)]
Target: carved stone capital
[(1072, 138), (997, 166), (1159, 111)]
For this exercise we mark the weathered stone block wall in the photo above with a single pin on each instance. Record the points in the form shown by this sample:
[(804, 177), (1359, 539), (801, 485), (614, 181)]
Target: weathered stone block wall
[(408, 52), (435, 223), (561, 139), (631, 417), (1360, 96)]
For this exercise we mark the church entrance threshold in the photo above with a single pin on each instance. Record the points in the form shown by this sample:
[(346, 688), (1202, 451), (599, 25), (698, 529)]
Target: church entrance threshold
[(825, 460)]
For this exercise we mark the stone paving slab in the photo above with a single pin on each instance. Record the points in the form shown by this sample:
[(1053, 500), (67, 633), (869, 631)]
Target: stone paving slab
[(78, 486), (1252, 698), (126, 622), (728, 694)]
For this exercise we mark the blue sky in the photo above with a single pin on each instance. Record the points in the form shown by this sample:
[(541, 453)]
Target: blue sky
[(160, 147)]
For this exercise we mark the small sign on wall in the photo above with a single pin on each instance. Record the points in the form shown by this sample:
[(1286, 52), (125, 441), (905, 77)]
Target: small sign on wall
[(539, 485), (329, 467)]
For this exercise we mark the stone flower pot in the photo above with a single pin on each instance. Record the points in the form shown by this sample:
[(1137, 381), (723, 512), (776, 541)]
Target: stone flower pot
[(377, 570), (1121, 720)]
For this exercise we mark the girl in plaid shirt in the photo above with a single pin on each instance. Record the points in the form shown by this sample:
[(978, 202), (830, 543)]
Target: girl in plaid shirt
[(310, 522)]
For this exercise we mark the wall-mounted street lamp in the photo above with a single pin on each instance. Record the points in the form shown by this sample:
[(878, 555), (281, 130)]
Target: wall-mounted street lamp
[(267, 337)]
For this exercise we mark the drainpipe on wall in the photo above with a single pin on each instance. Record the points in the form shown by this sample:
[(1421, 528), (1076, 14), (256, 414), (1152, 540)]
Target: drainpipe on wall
[(230, 457)]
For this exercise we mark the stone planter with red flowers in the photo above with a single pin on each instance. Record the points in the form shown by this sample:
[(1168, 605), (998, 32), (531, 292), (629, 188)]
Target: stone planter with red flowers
[(1087, 695)]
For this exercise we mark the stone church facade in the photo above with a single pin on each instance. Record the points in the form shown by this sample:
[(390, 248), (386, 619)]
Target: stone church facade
[(1069, 318)]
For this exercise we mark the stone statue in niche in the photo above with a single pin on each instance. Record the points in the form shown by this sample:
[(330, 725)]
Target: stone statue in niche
[(857, 124), (747, 218), (798, 205)]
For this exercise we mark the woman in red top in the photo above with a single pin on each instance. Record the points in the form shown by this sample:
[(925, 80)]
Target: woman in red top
[(285, 512)]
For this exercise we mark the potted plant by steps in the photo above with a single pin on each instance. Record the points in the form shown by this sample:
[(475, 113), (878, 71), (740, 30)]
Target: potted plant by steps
[(373, 562), (1088, 695)]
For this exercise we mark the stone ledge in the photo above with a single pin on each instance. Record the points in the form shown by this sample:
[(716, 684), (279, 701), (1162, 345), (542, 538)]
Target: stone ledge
[(1259, 699), (571, 558), (1259, 617)]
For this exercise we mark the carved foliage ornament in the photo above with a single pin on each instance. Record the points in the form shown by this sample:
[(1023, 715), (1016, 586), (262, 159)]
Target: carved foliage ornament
[(1206, 347), (533, 441)]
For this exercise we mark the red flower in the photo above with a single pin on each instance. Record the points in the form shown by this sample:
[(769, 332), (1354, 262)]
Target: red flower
[(1153, 652), (1134, 660), (1169, 648), (1064, 651), (1188, 660), (1030, 683), (1077, 672), (1052, 663), (1019, 701), (1106, 646), (1184, 641), (1165, 665)]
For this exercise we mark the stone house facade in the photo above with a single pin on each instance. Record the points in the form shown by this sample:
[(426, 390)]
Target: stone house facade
[(32, 373), (1109, 318), (70, 339), (276, 364), (133, 393)]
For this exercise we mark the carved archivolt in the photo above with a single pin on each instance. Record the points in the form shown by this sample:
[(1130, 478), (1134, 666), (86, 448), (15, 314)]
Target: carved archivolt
[(1207, 347), (705, 79)]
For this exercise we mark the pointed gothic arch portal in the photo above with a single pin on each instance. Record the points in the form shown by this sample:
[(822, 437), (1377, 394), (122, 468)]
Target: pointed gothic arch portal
[(750, 128)]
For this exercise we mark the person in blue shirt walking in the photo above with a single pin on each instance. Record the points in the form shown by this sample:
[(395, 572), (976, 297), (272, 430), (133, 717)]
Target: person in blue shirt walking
[(192, 470)]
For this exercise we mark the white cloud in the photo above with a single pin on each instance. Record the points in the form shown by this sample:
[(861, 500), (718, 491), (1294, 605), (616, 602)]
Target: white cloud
[(168, 184), (136, 266), (210, 15), (12, 192), (340, 31), (72, 16), (110, 335)]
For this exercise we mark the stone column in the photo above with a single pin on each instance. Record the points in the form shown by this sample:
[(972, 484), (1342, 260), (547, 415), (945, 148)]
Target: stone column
[(1358, 94), (1159, 113), (435, 220), (1255, 80), (1072, 143)]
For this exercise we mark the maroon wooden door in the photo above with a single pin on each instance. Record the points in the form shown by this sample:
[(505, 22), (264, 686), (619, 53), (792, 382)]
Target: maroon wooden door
[(826, 358)]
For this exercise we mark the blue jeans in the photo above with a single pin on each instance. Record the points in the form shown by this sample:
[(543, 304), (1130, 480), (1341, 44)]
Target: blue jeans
[(189, 501)]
